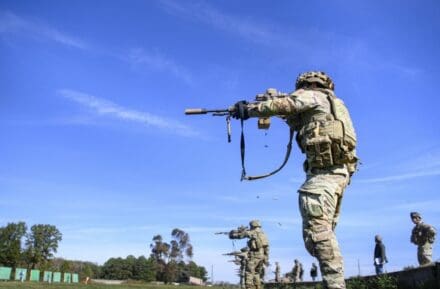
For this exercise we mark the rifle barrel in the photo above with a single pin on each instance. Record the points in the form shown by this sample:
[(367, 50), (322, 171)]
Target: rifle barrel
[(190, 111)]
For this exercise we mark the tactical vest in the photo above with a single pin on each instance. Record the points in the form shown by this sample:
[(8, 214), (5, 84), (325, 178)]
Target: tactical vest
[(328, 139), (423, 233), (258, 243)]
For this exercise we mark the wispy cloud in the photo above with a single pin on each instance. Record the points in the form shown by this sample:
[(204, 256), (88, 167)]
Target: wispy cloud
[(400, 177), (104, 107), (159, 62), (244, 27), (108, 230), (405, 164), (205, 229), (431, 205), (12, 24), (15, 25), (345, 49)]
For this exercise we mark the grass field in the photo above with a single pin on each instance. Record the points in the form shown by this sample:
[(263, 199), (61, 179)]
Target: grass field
[(31, 285)]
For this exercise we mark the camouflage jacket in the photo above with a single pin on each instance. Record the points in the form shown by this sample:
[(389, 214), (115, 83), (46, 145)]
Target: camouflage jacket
[(423, 233), (324, 128), (296, 270), (257, 243)]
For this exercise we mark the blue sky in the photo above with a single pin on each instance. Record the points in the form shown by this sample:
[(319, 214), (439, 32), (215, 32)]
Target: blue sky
[(94, 139)]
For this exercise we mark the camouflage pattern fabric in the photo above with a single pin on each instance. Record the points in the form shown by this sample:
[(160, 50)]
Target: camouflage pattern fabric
[(328, 167), (423, 235), (257, 257), (241, 258), (424, 254), (300, 101), (253, 270), (296, 272), (277, 273), (319, 200), (243, 273)]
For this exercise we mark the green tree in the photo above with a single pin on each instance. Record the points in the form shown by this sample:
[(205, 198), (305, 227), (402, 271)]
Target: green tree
[(117, 269), (170, 273), (83, 268), (168, 258), (181, 244), (86, 271), (197, 271), (41, 244), (66, 266), (10, 243), (159, 249), (144, 270)]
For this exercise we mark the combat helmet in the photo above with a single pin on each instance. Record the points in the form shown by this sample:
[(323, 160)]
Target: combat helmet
[(254, 224), (315, 77)]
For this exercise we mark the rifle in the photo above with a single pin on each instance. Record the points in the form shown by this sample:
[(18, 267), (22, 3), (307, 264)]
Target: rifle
[(263, 123), (238, 233), (215, 112), (221, 233), (235, 253)]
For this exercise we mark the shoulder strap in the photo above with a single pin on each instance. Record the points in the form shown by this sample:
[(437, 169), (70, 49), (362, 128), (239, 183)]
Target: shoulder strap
[(244, 176)]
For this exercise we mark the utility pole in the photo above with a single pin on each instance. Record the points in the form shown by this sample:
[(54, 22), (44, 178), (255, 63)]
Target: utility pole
[(359, 268), (212, 274)]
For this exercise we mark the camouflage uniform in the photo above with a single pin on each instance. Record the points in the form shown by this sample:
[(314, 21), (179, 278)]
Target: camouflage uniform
[(326, 135), (296, 272), (423, 235), (277, 272), (241, 259), (258, 253)]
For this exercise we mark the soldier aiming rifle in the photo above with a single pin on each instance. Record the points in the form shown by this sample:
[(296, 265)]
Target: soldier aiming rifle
[(325, 134), (241, 258)]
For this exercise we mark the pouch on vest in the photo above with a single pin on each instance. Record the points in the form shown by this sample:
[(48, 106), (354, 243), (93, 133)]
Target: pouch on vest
[(319, 152)]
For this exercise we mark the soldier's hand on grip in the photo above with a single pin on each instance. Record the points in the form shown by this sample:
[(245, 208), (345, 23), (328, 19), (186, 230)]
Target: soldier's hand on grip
[(241, 110)]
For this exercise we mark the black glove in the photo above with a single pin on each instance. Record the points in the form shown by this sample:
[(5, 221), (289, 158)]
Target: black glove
[(241, 110)]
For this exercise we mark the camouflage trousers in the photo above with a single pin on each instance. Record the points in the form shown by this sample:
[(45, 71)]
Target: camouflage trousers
[(319, 201), (424, 254), (254, 268)]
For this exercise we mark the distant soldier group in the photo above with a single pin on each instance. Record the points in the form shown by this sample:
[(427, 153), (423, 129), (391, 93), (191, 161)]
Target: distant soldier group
[(253, 258), (297, 273), (422, 235)]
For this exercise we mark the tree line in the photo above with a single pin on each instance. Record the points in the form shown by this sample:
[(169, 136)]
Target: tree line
[(40, 245), (35, 248), (168, 262)]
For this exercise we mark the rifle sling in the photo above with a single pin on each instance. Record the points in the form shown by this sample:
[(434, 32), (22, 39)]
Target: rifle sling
[(243, 149)]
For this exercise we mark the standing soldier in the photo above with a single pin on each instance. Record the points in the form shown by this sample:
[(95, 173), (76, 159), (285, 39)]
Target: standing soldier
[(258, 252), (423, 235), (296, 271), (277, 272), (314, 272), (241, 258), (326, 135)]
